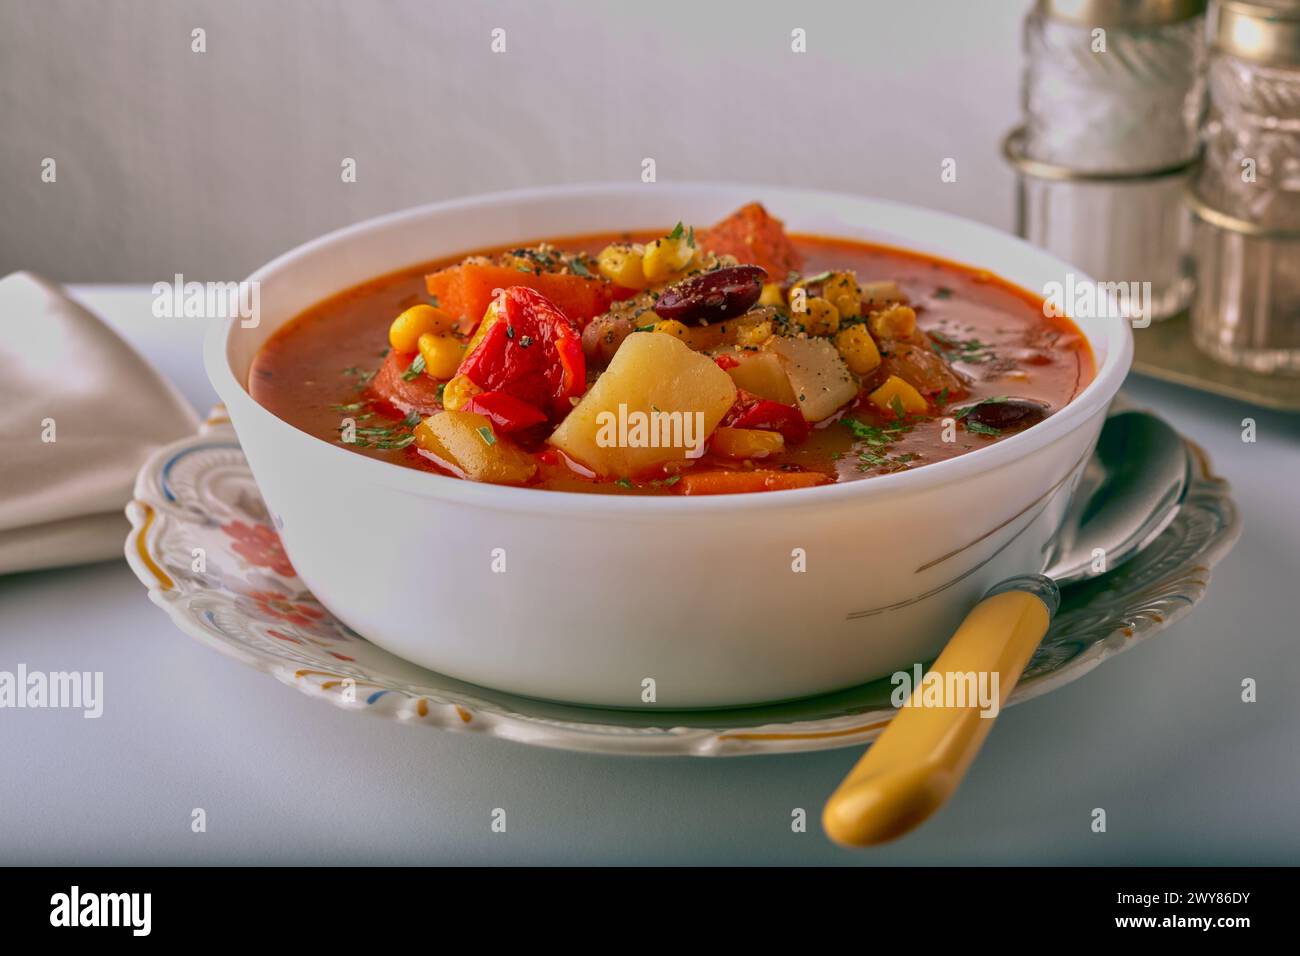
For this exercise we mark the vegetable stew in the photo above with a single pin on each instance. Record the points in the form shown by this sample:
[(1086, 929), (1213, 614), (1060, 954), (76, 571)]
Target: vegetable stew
[(732, 358)]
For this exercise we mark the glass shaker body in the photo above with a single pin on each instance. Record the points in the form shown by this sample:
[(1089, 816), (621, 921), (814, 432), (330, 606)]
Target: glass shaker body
[(1246, 196), (1109, 137)]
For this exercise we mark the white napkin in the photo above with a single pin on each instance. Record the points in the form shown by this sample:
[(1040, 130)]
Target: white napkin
[(66, 376)]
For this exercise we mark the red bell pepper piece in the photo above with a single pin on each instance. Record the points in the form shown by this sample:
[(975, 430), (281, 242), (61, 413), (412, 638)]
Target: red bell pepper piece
[(506, 412), (765, 414), (532, 352), (725, 361)]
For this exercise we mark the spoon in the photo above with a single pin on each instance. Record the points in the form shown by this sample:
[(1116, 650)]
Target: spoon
[(1130, 491)]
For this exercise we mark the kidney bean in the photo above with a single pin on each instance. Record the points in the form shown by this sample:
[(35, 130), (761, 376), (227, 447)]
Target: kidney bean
[(712, 296), (1010, 413)]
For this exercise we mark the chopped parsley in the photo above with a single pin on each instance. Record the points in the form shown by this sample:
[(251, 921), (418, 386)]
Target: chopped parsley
[(624, 482), (877, 436), (871, 460), (678, 231), (943, 292), (995, 400), (485, 433), (414, 370), (962, 350), (979, 428)]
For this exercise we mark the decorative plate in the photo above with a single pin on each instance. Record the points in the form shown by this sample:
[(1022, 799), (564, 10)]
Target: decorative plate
[(203, 543)]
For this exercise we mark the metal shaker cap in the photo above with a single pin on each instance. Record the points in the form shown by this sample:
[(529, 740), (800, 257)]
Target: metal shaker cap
[(1122, 13), (1262, 31)]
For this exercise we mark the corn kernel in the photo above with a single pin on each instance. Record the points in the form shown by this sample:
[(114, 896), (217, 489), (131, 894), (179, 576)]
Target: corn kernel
[(752, 336), (799, 298), (896, 322), (621, 265), (744, 443), (489, 317), (897, 391), (771, 295), (404, 334), (842, 291), (823, 318), (858, 349), (666, 257), (674, 328), (457, 392), (442, 354)]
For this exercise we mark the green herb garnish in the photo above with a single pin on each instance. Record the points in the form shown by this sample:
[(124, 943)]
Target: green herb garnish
[(485, 433), (979, 428), (995, 400), (580, 268), (678, 231), (414, 370)]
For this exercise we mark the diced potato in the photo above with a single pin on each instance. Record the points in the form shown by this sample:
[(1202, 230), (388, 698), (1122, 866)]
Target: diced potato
[(465, 443), (842, 291), (896, 322), (745, 443), (621, 265), (823, 318), (763, 374), (821, 381), (896, 392), (858, 349), (647, 397), (441, 353)]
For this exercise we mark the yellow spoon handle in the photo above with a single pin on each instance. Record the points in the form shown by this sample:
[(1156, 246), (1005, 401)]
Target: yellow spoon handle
[(921, 757)]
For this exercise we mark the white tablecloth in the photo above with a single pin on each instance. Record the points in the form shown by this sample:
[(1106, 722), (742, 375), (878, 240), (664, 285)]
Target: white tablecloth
[(1159, 737)]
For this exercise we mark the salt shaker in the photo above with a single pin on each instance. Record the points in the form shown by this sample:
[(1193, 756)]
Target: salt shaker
[(1246, 194), (1113, 95)]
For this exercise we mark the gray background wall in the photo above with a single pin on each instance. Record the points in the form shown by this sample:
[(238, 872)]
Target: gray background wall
[(211, 163)]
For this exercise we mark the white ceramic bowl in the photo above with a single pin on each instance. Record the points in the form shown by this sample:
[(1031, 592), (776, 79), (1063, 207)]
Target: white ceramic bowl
[(601, 594)]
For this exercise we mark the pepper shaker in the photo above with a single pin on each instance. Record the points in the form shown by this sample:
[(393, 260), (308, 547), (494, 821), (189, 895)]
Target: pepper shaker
[(1246, 194), (1113, 95)]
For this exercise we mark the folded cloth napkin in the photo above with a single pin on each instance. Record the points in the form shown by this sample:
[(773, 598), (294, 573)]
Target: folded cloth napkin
[(79, 413)]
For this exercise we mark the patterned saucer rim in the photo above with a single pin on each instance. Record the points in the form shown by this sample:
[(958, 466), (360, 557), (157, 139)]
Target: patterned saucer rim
[(254, 609)]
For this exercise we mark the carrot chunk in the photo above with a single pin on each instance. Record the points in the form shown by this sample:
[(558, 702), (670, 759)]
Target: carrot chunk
[(754, 238), (738, 482), (466, 290)]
